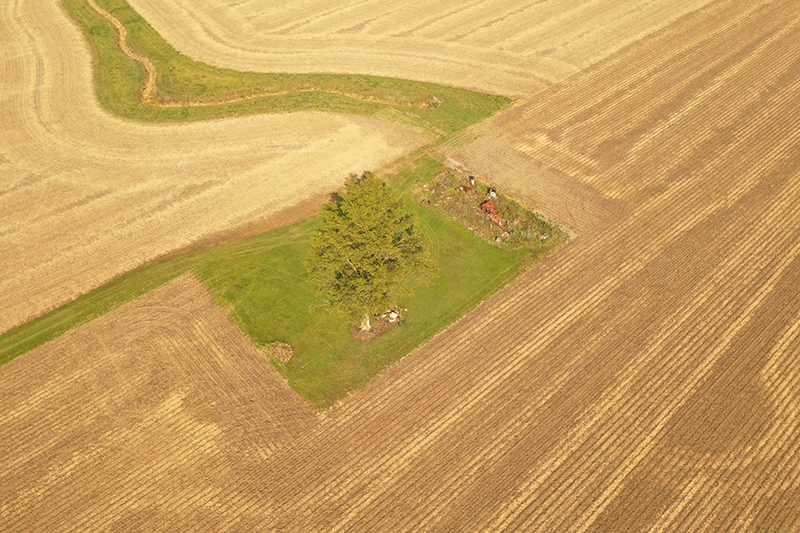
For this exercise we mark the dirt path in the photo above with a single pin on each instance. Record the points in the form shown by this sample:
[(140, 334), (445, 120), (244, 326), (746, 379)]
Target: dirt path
[(85, 196), (150, 95), (149, 88)]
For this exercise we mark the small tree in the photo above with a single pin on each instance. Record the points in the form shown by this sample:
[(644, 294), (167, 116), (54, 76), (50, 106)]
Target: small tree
[(366, 249)]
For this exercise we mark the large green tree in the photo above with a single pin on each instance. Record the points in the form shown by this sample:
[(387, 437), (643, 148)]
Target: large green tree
[(367, 249)]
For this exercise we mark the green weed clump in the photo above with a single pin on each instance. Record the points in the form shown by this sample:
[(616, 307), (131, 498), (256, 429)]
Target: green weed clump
[(490, 214)]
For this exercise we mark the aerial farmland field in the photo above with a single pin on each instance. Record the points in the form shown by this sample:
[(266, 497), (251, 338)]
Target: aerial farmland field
[(88, 196), (644, 378), (513, 48)]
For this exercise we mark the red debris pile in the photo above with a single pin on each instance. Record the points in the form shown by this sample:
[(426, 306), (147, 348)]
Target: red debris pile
[(489, 208)]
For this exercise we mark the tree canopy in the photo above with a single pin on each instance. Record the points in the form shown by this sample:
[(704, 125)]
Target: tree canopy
[(367, 249)]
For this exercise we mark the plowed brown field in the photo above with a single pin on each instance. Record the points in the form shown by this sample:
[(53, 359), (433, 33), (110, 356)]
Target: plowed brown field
[(85, 196), (646, 378), (509, 47)]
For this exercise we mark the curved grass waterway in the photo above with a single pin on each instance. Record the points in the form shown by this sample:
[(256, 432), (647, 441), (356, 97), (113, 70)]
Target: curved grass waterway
[(182, 89)]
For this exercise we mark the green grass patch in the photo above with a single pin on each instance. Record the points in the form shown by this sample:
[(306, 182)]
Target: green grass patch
[(263, 284), (118, 80)]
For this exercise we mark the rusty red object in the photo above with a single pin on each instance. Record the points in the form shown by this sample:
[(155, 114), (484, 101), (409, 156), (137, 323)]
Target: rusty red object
[(489, 207)]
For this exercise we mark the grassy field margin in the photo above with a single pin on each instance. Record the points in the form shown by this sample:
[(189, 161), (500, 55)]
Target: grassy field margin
[(249, 278), (118, 80)]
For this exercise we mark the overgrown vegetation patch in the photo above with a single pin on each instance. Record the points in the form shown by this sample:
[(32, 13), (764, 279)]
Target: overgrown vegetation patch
[(489, 213)]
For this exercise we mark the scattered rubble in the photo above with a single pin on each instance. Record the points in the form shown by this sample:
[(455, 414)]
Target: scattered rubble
[(380, 324), (487, 213)]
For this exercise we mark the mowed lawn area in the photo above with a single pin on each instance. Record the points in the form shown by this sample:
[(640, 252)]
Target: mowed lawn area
[(263, 284)]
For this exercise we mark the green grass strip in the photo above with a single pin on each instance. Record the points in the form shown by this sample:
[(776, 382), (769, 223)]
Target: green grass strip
[(263, 284), (119, 78)]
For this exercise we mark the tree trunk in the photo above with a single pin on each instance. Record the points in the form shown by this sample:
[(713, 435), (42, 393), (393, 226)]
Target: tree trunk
[(365, 325)]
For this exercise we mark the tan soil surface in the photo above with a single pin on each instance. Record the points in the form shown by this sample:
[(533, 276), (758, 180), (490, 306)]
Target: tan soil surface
[(510, 47), (155, 404), (85, 196), (645, 378), (589, 148)]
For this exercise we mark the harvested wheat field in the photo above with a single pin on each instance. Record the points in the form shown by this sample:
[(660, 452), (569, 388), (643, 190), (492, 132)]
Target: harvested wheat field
[(85, 196), (157, 405), (622, 132), (514, 48), (645, 378)]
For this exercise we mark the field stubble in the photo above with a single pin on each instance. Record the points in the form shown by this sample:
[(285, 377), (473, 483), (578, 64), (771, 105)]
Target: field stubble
[(646, 377), (629, 383), (511, 48), (160, 394)]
